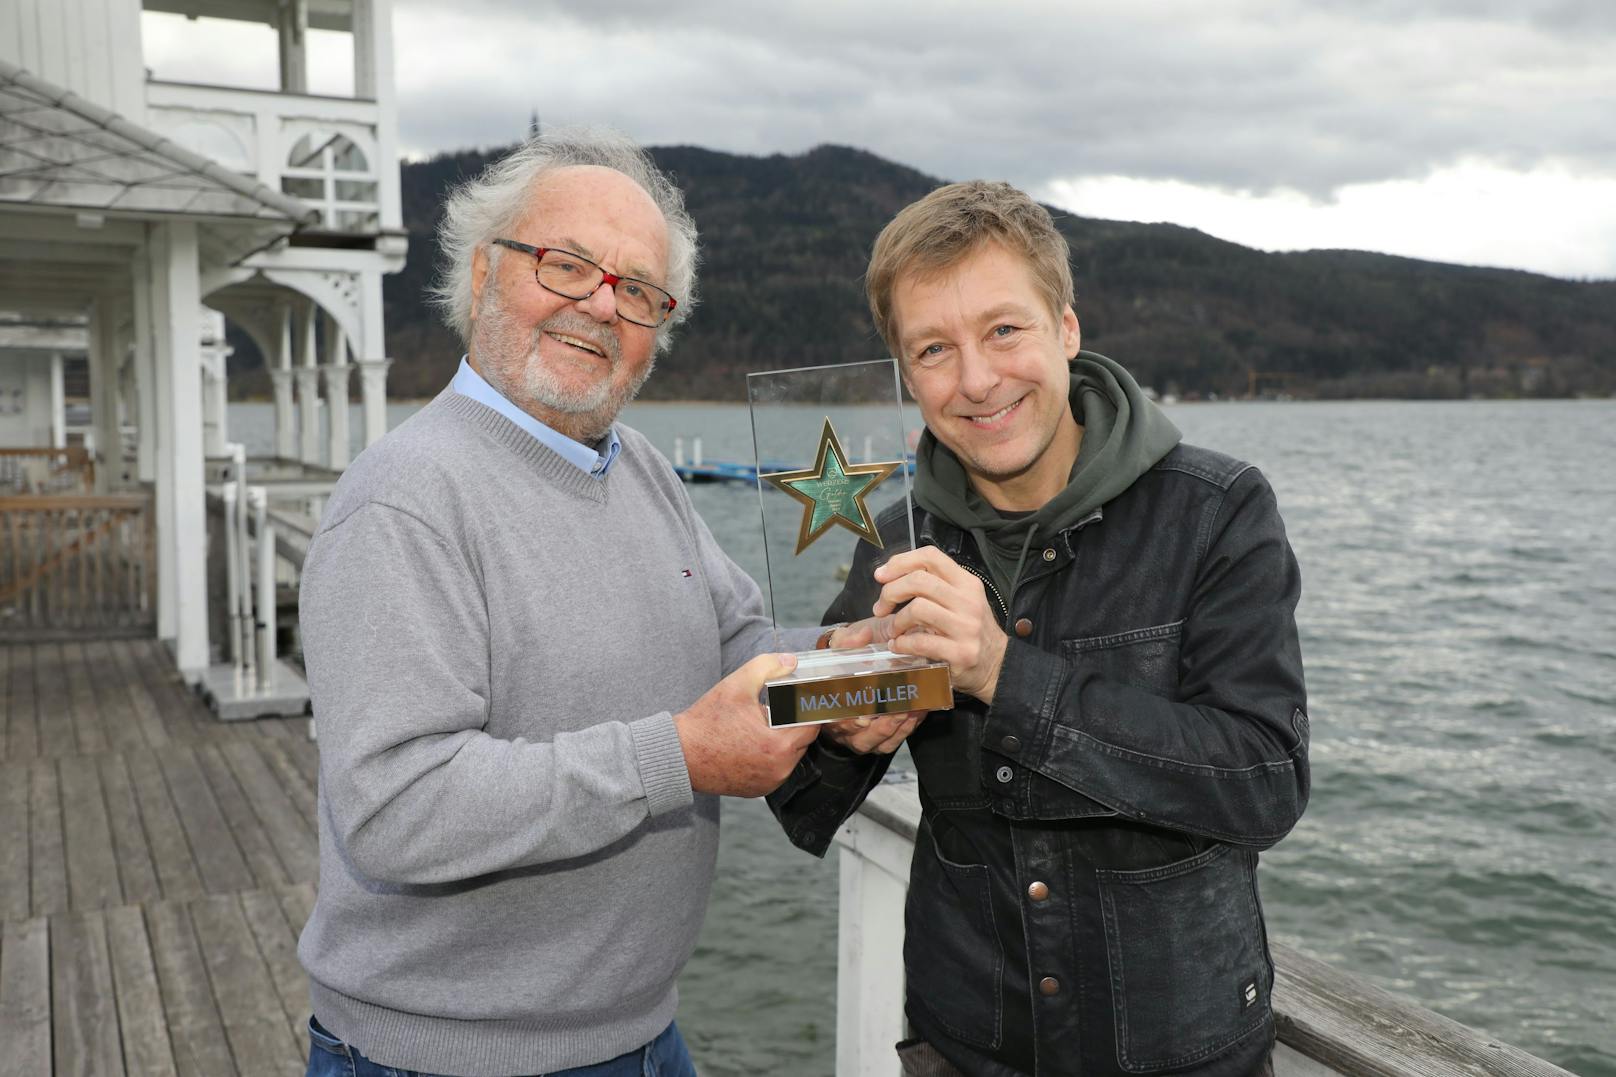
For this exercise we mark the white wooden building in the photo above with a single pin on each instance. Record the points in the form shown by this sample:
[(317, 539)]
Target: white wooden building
[(133, 212)]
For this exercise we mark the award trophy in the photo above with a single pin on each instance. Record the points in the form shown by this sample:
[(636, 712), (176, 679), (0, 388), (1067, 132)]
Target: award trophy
[(831, 455)]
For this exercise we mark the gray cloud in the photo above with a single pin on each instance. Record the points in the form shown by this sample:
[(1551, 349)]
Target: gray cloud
[(1306, 94)]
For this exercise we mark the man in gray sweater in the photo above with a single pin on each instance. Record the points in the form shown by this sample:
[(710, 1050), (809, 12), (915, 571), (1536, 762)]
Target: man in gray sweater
[(532, 667)]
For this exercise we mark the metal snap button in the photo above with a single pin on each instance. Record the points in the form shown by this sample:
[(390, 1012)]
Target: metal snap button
[(1004, 774), (1049, 985), (1049, 554), (1011, 745), (1023, 627), (1038, 891)]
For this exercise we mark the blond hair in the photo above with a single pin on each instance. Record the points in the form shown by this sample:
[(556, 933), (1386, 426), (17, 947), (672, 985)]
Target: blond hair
[(941, 229)]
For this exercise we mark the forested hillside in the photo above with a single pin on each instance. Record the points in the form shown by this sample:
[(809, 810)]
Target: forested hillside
[(785, 240)]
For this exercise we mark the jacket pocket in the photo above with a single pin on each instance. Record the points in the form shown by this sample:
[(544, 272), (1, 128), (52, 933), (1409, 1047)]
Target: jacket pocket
[(1190, 975), (951, 950), (1144, 657)]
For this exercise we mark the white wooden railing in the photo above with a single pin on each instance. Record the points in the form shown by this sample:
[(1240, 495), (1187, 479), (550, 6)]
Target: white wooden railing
[(325, 150)]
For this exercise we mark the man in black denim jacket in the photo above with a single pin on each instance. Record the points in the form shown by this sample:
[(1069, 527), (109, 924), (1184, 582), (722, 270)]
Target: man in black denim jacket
[(1130, 727)]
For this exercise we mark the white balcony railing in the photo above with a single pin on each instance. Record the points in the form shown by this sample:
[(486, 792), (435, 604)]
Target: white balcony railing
[(323, 150)]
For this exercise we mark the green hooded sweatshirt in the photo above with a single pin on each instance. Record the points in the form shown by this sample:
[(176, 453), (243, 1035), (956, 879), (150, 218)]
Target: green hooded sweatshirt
[(1124, 435)]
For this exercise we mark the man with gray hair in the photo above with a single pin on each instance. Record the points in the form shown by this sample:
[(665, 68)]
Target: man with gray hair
[(533, 668)]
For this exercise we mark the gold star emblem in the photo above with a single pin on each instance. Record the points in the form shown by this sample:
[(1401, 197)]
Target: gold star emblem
[(832, 492)]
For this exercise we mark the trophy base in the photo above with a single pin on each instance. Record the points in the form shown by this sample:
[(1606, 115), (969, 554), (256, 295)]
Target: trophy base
[(862, 682)]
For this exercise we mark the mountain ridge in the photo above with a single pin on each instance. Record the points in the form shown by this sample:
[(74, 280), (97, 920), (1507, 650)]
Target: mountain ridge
[(785, 239)]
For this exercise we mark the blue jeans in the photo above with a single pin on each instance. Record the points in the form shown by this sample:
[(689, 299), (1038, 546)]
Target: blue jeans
[(665, 1056)]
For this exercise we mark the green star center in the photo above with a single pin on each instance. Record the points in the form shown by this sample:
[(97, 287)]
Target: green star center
[(835, 493)]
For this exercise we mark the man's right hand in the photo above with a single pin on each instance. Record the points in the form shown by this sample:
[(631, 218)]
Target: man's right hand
[(729, 747)]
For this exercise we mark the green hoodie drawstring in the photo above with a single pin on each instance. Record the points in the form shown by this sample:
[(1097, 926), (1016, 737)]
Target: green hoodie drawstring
[(1015, 577)]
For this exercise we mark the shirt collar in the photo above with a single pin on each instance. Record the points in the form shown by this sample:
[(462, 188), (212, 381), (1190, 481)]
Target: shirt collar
[(467, 382)]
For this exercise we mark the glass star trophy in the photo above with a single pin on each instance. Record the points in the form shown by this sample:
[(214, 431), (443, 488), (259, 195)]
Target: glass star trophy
[(832, 457)]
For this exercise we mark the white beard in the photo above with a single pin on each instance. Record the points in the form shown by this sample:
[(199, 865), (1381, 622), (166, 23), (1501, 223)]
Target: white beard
[(508, 357)]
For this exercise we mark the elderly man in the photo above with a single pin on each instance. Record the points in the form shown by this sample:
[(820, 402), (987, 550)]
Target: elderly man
[(526, 656), (1117, 610)]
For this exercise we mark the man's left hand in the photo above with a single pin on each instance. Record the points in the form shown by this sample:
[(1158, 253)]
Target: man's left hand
[(941, 611), (881, 734)]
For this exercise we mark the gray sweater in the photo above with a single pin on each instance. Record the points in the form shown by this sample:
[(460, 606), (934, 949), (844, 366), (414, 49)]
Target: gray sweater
[(513, 868)]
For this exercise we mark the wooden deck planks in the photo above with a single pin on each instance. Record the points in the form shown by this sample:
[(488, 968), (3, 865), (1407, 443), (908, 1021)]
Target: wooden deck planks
[(47, 858), (136, 871), (277, 942), (112, 700), (5, 701), (88, 724), (255, 845), (22, 723), (25, 1011), (57, 737), (141, 1024), (16, 900), (297, 772), (289, 830), (194, 1028), (92, 866), (177, 874), (146, 716), (218, 858), (156, 868), (84, 1018), (260, 1038)]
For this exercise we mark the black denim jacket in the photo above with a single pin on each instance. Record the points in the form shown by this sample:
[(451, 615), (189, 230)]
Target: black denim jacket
[(1083, 894)]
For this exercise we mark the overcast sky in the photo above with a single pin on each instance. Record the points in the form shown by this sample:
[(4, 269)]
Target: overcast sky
[(1477, 131)]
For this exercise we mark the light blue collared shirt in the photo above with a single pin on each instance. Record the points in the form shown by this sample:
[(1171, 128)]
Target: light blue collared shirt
[(467, 382)]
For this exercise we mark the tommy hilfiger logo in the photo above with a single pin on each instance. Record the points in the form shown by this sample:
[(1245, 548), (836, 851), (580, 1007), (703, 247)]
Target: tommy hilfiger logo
[(686, 573)]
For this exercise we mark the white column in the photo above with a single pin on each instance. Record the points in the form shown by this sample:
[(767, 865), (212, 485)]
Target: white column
[(104, 393), (281, 373), (373, 395), (294, 34), (372, 345), (214, 367), (182, 515), (364, 48), (336, 393), (128, 392), (373, 78), (146, 369), (308, 398), (308, 389), (58, 404), (213, 404)]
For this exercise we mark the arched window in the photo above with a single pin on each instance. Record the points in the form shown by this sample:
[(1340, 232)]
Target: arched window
[(329, 171)]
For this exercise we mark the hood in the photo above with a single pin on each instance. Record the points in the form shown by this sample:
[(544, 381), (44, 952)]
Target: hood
[(1124, 435)]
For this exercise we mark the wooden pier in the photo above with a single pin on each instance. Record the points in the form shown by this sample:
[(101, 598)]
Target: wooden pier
[(156, 867)]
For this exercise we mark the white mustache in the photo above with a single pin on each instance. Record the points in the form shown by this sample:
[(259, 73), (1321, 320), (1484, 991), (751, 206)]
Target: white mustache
[(577, 325)]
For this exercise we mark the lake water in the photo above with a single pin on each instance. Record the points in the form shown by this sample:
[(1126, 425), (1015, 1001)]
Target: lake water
[(1458, 626)]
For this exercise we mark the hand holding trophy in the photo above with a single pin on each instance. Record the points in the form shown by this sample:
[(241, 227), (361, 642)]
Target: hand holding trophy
[(831, 461)]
